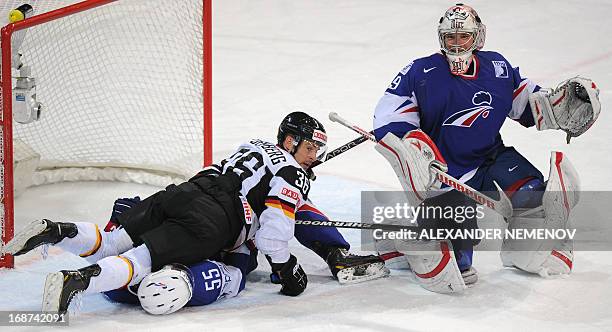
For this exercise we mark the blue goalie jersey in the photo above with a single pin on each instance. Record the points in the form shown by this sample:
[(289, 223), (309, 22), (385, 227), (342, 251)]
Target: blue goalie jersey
[(462, 114)]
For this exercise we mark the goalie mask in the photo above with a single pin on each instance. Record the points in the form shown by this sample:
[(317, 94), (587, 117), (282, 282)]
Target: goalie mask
[(303, 127), (460, 33)]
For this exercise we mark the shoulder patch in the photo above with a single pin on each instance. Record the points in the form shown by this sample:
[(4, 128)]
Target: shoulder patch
[(405, 70), (501, 69)]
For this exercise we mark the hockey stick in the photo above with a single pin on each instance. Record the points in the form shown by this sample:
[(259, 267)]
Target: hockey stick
[(355, 225), (359, 225), (341, 149), (503, 206)]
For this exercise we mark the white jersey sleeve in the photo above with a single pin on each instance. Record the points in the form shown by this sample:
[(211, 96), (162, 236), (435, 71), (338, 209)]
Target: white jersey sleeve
[(277, 221), (275, 186), (523, 87)]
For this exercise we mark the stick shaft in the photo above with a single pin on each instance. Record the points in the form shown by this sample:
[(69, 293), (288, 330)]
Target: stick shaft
[(503, 206), (341, 149)]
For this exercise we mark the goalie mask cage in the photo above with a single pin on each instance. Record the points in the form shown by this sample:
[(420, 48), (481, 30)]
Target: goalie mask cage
[(125, 87)]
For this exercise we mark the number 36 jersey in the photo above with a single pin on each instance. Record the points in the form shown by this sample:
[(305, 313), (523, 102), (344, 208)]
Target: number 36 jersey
[(275, 186)]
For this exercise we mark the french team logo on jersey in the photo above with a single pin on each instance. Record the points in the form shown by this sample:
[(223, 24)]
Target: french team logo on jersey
[(501, 69), (465, 118)]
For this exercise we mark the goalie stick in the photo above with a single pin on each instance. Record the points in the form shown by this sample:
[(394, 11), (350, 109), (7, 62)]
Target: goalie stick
[(503, 206)]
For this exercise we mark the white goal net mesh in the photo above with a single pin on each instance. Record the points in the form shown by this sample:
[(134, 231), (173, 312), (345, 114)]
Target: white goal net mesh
[(121, 89), (121, 86)]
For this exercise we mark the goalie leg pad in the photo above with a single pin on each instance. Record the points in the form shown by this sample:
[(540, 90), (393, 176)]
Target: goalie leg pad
[(411, 158), (562, 191), (527, 255), (543, 257), (433, 265), (546, 257)]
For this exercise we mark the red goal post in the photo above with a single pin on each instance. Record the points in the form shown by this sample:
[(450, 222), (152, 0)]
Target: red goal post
[(124, 84)]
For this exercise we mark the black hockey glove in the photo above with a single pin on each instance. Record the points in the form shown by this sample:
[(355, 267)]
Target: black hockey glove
[(290, 275), (120, 206)]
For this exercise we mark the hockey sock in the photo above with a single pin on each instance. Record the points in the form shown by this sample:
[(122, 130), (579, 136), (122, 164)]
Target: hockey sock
[(94, 245), (119, 271)]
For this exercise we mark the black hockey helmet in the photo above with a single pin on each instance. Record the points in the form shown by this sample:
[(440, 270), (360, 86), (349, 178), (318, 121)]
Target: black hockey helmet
[(303, 127)]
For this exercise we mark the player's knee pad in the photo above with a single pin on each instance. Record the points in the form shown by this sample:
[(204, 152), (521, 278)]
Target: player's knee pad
[(527, 193), (553, 256), (167, 290), (433, 265)]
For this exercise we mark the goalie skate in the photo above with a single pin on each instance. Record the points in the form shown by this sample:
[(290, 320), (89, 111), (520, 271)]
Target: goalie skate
[(351, 269)]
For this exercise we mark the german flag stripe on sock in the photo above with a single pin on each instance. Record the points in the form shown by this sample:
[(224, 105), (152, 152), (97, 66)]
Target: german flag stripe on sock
[(96, 245), (130, 270), (288, 208)]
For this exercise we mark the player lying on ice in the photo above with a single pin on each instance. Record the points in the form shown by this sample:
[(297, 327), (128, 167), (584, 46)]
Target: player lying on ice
[(223, 276), (446, 111), (252, 195)]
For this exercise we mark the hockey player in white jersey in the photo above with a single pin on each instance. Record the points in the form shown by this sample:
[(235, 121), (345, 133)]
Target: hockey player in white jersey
[(446, 111), (252, 195)]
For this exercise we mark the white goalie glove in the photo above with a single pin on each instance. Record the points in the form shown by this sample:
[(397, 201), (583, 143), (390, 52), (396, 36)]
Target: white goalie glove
[(572, 107)]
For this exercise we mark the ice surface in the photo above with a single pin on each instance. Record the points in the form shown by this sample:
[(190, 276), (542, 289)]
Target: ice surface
[(275, 56)]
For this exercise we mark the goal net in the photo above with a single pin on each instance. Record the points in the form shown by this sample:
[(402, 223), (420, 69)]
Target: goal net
[(112, 92)]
